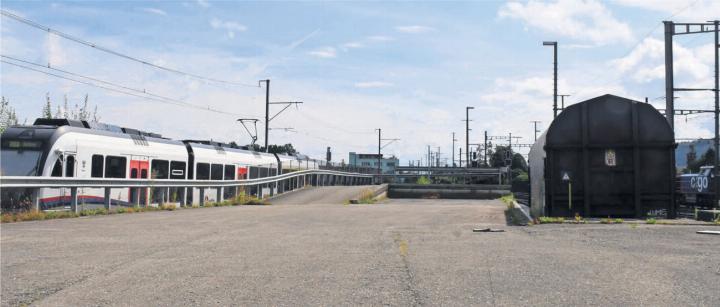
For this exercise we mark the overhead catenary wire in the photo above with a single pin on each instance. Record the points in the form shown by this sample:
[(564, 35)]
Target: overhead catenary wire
[(116, 53), (640, 41), (145, 96), (143, 91)]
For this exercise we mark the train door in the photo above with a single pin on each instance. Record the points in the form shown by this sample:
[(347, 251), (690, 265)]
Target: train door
[(139, 169)]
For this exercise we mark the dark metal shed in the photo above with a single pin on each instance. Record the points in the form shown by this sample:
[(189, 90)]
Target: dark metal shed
[(609, 156)]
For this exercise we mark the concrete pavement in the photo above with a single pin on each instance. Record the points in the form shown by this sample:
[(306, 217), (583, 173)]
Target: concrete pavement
[(403, 252)]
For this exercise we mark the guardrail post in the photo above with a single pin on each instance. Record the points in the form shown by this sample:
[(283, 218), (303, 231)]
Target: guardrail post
[(36, 199), (137, 197), (107, 200), (202, 197), (183, 199), (74, 200), (220, 195)]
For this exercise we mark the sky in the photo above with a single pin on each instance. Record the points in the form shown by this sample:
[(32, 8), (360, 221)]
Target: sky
[(409, 68)]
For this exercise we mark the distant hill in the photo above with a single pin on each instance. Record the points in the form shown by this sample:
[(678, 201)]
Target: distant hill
[(701, 146)]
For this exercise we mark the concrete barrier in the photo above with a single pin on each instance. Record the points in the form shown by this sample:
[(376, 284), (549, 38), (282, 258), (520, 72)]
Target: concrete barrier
[(447, 191)]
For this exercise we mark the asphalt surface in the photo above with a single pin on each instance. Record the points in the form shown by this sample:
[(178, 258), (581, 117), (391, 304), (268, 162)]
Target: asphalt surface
[(403, 252), (321, 195)]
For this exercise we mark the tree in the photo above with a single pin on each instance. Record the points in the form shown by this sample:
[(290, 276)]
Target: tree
[(7, 114), (47, 109), (706, 159), (76, 113)]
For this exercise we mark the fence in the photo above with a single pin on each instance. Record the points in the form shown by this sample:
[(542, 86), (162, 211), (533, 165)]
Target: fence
[(278, 184)]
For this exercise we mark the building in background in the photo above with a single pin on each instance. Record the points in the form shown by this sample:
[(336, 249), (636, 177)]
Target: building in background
[(371, 160)]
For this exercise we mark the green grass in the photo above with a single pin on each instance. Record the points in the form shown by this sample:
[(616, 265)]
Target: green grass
[(34, 215), (651, 221), (551, 220)]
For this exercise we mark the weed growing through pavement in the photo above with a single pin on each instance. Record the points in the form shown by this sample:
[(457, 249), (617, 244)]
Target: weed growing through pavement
[(551, 220)]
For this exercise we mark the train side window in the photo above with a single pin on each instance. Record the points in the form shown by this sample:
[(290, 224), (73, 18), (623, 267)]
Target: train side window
[(216, 172), (57, 169), (159, 169), (115, 167), (229, 172), (177, 170), (143, 173), (253, 172), (97, 166), (202, 172), (70, 166)]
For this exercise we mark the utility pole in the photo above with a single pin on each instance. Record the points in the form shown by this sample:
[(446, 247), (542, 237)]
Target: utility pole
[(379, 148), (485, 148), (555, 95), (267, 110), (669, 83), (437, 158), (429, 157), (268, 118), (672, 29), (453, 149), (460, 156), (535, 122), (467, 135)]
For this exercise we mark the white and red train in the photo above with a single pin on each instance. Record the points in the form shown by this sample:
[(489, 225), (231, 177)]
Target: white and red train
[(81, 149)]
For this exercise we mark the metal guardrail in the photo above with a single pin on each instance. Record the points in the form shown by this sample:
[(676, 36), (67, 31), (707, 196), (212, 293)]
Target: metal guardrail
[(322, 177), (59, 182)]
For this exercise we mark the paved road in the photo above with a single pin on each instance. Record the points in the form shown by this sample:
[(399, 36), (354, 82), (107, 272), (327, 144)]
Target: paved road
[(321, 195), (404, 252)]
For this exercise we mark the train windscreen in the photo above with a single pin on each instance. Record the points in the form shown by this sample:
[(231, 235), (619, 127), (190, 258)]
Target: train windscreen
[(20, 158)]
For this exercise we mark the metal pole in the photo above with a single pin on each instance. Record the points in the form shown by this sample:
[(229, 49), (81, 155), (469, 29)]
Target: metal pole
[(467, 136), (267, 111), (379, 157), (453, 150), (717, 109), (485, 149), (669, 92), (555, 95)]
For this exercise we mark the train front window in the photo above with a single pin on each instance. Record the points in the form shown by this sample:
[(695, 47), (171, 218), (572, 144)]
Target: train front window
[(20, 158)]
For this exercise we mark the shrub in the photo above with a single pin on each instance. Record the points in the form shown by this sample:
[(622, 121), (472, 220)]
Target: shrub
[(508, 199), (619, 221), (651, 221), (606, 221), (167, 207), (423, 180)]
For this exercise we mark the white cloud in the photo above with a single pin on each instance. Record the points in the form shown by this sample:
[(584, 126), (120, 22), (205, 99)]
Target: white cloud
[(646, 62), (324, 52), (415, 29), (203, 3), (689, 10), (230, 26), (380, 38), (56, 54), (352, 45), (154, 11), (373, 84), (580, 20)]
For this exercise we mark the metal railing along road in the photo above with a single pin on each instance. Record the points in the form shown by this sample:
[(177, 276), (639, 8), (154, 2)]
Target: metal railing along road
[(318, 176)]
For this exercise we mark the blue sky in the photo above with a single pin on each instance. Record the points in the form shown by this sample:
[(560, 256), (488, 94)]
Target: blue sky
[(409, 68)]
